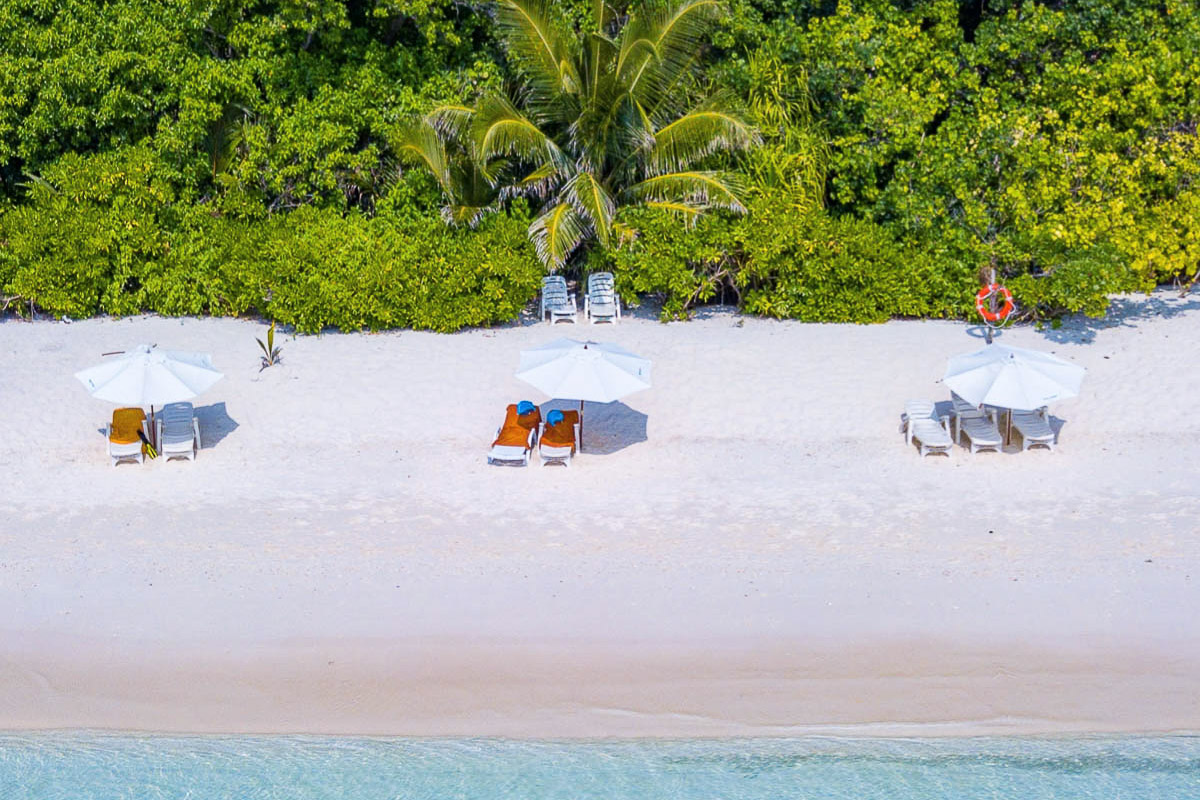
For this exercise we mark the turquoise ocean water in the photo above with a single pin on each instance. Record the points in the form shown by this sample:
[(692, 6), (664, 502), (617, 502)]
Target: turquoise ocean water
[(86, 766)]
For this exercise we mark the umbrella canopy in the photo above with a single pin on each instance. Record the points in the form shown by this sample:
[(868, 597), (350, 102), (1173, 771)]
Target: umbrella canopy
[(147, 376), (1012, 377), (574, 370)]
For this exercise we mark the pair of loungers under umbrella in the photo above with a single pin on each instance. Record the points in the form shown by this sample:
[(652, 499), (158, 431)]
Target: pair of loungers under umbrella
[(568, 369), (146, 376), (1009, 379)]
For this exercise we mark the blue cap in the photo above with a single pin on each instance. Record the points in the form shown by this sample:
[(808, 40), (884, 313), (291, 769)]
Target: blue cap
[(525, 407), (554, 417)]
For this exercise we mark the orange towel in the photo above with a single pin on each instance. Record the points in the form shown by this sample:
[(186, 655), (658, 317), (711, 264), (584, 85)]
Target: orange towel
[(515, 430), (562, 434), (126, 422)]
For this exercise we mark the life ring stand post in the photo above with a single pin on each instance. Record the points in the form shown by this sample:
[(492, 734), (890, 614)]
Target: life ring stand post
[(985, 304)]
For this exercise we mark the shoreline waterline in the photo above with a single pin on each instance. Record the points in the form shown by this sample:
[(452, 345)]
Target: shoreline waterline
[(310, 768)]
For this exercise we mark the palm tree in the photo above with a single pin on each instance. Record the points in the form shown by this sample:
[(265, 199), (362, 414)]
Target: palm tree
[(603, 120)]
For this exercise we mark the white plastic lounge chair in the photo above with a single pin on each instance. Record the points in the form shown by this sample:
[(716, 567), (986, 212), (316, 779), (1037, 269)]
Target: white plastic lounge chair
[(126, 451), (557, 302), (1034, 429), (982, 434), (601, 303), (177, 432), (510, 453), (962, 410), (556, 453), (930, 435), (915, 410)]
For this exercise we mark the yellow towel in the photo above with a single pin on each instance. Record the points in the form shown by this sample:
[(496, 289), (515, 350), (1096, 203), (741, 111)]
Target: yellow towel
[(515, 430), (562, 434), (126, 422)]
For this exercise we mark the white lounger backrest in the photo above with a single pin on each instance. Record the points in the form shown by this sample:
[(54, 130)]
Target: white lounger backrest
[(177, 422)]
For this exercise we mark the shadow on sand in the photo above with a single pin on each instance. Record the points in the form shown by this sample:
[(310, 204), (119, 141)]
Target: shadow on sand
[(607, 427), (1123, 312), (215, 424)]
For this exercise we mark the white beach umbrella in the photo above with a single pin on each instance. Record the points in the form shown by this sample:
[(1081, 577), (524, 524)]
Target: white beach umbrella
[(1012, 377), (574, 370), (147, 376)]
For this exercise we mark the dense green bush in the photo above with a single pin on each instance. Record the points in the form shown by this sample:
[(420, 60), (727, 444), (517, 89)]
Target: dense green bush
[(786, 261), (100, 235)]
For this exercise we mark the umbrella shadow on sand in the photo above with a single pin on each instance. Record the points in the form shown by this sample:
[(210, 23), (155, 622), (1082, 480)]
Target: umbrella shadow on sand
[(215, 424), (607, 427)]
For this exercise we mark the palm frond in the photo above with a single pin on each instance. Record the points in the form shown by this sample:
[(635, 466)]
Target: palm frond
[(675, 32), (592, 201), (706, 189), (599, 53), (556, 234), (702, 132), (416, 140), (688, 211), (451, 121), (539, 43), (499, 129), (460, 215), (539, 184), (600, 14)]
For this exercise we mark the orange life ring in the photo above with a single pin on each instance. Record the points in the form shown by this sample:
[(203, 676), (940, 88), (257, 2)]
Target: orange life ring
[(981, 298)]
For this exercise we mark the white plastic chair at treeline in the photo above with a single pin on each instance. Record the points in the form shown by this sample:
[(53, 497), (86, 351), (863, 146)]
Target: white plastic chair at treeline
[(557, 302), (601, 303)]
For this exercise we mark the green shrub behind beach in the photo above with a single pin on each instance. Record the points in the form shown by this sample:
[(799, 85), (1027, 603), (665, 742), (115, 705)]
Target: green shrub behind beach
[(101, 235)]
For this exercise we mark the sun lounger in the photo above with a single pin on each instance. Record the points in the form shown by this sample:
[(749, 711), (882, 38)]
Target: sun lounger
[(930, 435), (177, 432), (915, 410), (124, 444), (982, 434), (601, 303), (1034, 429), (961, 411), (559, 442), (557, 302), (516, 437)]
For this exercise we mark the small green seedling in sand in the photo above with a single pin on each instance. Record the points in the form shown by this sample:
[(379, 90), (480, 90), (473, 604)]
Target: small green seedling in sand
[(271, 353)]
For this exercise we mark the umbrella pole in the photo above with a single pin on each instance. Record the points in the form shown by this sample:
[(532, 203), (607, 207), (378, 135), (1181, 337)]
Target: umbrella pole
[(581, 426)]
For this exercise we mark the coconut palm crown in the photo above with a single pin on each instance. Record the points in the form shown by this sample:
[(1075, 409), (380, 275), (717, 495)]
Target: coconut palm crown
[(602, 121)]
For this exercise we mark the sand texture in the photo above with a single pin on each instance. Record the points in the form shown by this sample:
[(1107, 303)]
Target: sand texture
[(748, 547)]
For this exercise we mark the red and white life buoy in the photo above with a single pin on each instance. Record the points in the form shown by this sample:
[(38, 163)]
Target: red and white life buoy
[(981, 298)]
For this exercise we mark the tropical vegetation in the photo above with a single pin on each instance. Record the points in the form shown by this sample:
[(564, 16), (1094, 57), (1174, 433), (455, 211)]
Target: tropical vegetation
[(422, 163)]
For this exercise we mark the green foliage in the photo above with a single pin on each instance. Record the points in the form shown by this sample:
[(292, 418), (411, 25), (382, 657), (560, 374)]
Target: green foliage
[(1057, 139), (133, 249), (271, 353), (787, 261), (250, 156)]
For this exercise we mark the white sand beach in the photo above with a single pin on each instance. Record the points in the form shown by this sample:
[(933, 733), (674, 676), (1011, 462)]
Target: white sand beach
[(746, 548)]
